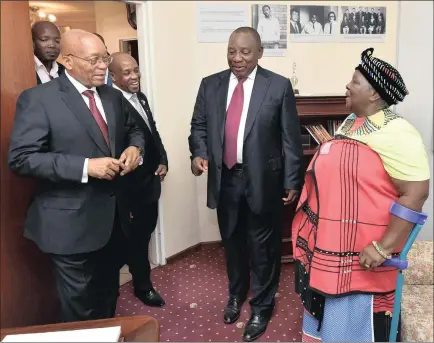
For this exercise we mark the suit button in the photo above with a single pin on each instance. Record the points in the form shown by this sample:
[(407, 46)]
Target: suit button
[(219, 167), (112, 195)]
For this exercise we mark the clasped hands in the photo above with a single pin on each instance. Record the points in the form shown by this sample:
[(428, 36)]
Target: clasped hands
[(107, 168), (199, 165)]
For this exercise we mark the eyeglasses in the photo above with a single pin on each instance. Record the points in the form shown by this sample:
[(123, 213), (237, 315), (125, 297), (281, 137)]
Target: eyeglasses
[(94, 60)]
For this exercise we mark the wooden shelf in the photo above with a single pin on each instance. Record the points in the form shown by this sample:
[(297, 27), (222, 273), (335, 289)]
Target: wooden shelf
[(321, 106), (318, 115), (308, 151), (311, 110)]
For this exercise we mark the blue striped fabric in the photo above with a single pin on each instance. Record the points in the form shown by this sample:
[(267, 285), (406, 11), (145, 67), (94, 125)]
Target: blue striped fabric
[(346, 319)]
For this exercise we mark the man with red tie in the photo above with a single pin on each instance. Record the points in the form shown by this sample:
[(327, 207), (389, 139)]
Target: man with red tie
[(77, 138), (245, 134)]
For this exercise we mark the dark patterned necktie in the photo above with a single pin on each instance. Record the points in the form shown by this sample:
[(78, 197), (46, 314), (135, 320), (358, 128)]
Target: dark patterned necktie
[(97, 115)]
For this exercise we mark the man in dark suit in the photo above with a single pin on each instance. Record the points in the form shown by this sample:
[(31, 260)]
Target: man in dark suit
[(46, 49), (245, 134), (77, 138), (295, 26), (143, 186)]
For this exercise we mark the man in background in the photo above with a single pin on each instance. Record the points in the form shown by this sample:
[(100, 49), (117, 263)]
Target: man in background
[(77, 138), (143, 186), (46, 50), (313, 27), (245, 134), (295, 27), (108, 80), (268, 26), (331, 26)]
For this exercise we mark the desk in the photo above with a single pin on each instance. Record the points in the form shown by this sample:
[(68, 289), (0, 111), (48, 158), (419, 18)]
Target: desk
[(133, 329)]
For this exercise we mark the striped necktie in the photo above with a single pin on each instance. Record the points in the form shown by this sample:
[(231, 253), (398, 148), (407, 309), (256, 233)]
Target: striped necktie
[(140, 109)]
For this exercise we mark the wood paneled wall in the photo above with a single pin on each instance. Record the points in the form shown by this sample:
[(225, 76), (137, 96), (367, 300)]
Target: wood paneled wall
[(28, 295)]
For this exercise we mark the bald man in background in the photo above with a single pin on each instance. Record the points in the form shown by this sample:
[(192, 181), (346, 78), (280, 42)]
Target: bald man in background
[(46, 49), (143, 185), (77, 138), (108, 79)]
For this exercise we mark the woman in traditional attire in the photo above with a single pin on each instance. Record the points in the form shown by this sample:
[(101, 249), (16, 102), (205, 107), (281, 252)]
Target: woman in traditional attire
[(342, 230)]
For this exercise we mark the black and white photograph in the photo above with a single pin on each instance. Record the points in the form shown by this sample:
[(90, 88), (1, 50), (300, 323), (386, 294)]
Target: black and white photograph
[(313, 23), (363, 20), (272, 25)]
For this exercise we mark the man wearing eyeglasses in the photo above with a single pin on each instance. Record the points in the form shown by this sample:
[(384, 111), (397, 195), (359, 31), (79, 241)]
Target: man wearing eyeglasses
[(77, 138), (331, 26)]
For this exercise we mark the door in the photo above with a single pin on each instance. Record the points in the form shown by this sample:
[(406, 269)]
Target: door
[(28, 294)]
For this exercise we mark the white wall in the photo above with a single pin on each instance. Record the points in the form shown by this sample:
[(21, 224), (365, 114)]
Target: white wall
[(415, 63)]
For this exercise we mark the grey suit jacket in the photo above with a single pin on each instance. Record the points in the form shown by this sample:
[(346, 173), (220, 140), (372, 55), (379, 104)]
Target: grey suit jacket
[(53, 133), (272, 152)]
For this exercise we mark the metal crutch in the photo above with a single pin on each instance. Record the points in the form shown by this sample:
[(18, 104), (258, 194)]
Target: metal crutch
[(401, 263)]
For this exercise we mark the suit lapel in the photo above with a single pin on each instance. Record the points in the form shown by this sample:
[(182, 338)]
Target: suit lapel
[(145, 106), (110, 116), (78, 107), (260, 87), (38, 79), (222, 97)]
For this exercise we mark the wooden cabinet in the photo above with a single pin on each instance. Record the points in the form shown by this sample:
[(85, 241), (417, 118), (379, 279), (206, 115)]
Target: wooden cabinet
[(311, 110)]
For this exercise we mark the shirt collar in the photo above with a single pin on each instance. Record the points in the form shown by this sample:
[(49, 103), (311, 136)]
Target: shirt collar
[(80, 87), (39, 64), (127, 95), (250, 77)]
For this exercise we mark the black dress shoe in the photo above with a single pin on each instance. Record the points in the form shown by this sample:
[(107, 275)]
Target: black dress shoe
[(255, 327), (150, 298), (232, 310)]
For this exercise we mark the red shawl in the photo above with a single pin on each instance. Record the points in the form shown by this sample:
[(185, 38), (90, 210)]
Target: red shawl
[(343, 207)]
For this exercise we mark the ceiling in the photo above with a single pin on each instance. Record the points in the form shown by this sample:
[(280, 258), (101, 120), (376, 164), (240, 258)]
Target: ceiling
[(67, 11)]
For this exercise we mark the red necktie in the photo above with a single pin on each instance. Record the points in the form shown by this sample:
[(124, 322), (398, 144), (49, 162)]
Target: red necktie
[(233, 118), (97, 115)]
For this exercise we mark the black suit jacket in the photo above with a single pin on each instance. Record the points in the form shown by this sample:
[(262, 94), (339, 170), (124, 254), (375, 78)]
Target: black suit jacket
[(272, 149), (60, 71), (292, 28), (143, 185), (53, 133)]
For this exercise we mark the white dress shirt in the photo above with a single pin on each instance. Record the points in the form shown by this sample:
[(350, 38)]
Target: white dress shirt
[(269, 29), (313, 28), (134, 100), (331, 28), (80, 88), (43, 73), (248, 87)]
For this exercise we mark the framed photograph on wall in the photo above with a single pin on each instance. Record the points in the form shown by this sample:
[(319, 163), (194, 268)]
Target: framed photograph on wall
[(324, 24), (363, 22), (314, 23), (272, 25)]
